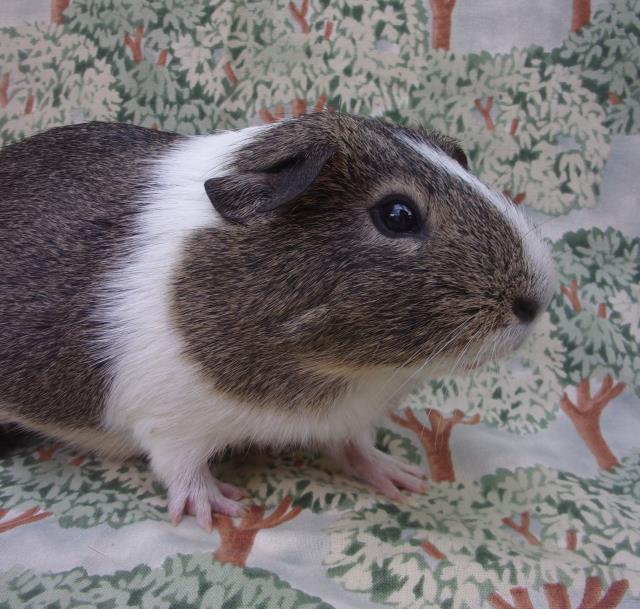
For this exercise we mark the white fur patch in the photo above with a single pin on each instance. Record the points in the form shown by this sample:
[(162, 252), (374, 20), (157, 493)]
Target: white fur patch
[(157, 399), (160, 401), (538, 253)]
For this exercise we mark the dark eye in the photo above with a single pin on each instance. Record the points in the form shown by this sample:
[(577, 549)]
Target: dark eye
[(396, 217)]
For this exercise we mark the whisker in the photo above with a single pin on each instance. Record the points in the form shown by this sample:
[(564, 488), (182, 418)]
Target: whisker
[(536, 227), (464, 351), (399, 368), (457, 332), (454, 369), (484, 347), (503, 334)]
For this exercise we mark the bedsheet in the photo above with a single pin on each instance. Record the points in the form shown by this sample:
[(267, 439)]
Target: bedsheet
[(534, 462)]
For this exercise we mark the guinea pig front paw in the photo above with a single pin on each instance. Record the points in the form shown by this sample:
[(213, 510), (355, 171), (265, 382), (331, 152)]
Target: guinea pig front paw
[(380, 470), (199, 494)]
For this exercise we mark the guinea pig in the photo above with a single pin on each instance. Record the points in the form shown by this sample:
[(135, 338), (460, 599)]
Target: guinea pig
[(280, 285)]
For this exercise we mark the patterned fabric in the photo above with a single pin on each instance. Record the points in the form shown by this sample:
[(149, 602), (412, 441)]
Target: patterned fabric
[(534, 499)]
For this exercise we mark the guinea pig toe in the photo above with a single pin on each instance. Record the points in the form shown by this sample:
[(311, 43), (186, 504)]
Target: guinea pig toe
[(202, 496), (407, 481), (175, 515), (232, 492), (228, 507), (202, 512), (408, 468), (383, 472), (383, 484)]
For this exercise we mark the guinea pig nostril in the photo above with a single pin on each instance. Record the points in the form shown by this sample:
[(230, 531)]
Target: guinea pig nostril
[(525, 309)]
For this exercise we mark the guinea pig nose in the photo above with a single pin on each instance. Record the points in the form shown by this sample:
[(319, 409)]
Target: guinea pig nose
[(525, 309)]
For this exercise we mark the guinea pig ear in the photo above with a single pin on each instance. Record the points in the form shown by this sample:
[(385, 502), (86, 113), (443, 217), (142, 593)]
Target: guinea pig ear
[(236, 197), (457, 154)]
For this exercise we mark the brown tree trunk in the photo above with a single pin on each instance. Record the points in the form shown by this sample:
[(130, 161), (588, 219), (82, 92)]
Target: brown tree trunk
[(229, 73), (522, 528), (236, 541), (432, 550), (298, 107), (593, 598), (585, 415), (57, 9), (267, 117), (614, 99), (300, 15), (520, 598), (436, 439), (135, 43), (440, 461), (235, 544), (581, 14), (28, 107), (320, 104), (78, 460), (589, 429), (162, 58), (571, 293), (486, 112), (517, 199), (4, 90), (328, 30), (30, 515), (441, 11), (46, 453), (558, 598)]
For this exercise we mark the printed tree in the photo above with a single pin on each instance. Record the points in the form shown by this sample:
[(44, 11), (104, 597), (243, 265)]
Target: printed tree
[(519, 394), (590, 334), (137, 40), (58, 7), (580, 14), (188, 582), (441, 12), (286, 58), (51, 77), (599, 273), (236, 538), (435, 438), (556, 596), (606, 56), (204, 59), (79, 491), (281, 486), (84, 491), (8, 522), (470, 545), (530, 127)]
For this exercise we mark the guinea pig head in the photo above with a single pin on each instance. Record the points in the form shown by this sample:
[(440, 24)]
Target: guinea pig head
[(346, 244)]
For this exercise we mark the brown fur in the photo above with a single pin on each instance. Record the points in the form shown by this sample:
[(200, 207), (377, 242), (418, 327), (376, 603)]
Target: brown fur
[(283, 304), (67, 198), (266, 304)]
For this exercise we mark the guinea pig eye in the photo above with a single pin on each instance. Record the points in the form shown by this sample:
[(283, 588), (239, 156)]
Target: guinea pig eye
[(396, 217)]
